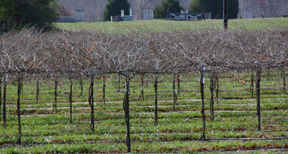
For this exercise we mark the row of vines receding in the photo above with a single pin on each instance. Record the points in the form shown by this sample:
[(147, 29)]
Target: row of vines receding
[(85, 57)]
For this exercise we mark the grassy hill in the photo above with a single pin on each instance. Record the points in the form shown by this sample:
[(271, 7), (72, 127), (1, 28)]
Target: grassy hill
[(158, 25)]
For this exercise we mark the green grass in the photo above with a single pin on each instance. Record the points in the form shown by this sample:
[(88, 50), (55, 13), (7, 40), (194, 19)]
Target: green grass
[(160, 25), (234, 127)]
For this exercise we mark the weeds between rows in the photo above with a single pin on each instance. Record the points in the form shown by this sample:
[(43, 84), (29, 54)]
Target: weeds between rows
[(235, 120)]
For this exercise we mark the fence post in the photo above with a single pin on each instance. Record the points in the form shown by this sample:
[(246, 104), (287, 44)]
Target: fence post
[(217, 87), (174, 93), (142, 88), (55, 96), (118, 83), (0, 96), (70, 100), (284, 80), (225, 14), (37, 91), (252, 86), (155, 87), (258, 79), (81, 86), (104, 85), (4, 101), (126, 110), (202, 99), (212, 84), (178, 86), (18, 141), (91, 103), (268, 71), (142, 80)]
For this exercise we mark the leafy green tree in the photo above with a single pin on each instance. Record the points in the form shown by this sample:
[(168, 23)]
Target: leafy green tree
[(114, 7), (166, 7), (216, 7), (16, 14)]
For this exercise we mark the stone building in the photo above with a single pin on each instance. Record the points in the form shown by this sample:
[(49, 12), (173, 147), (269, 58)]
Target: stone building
[(93, 9)]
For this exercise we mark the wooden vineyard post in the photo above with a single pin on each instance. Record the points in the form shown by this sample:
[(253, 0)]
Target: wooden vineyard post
[(118, 83), (142, 80), (178, 84), (225, 14), (70, 101), (21, 86), (268, 71), (104, 85), (0, 96), (252, 84), (37, 91), (258, 79), (155, 87), (91, 103), (202, 99), (4, 101), (174, 93), (81, 87), (284, 80), (126, 111), (18, 141), (142, 89), (55, 96), (217, 87), (212, 85)]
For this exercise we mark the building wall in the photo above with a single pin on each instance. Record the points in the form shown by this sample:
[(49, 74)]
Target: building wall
[(93, 9), (139, 5), (269, 8)]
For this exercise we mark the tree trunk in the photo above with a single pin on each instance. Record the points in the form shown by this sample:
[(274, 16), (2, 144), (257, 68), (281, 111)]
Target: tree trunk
[(258, 97), (4, 101), (70, 100), (126, 110), (37, 91), (202, 98), (252, 86), (155, 87), (104, 85), (18, 141), (55, 96), (91, 103), (174, 93)]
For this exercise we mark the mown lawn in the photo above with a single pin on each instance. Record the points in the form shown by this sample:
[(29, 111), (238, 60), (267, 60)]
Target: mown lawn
[(160, 25)]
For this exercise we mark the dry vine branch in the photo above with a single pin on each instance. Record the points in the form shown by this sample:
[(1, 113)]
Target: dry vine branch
[(163, 52), (90, 53)]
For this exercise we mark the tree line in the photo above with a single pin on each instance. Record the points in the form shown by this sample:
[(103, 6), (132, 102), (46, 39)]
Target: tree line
[(16, 14)]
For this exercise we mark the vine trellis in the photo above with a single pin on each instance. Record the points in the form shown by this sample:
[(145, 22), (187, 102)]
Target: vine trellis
[(31, 54)]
